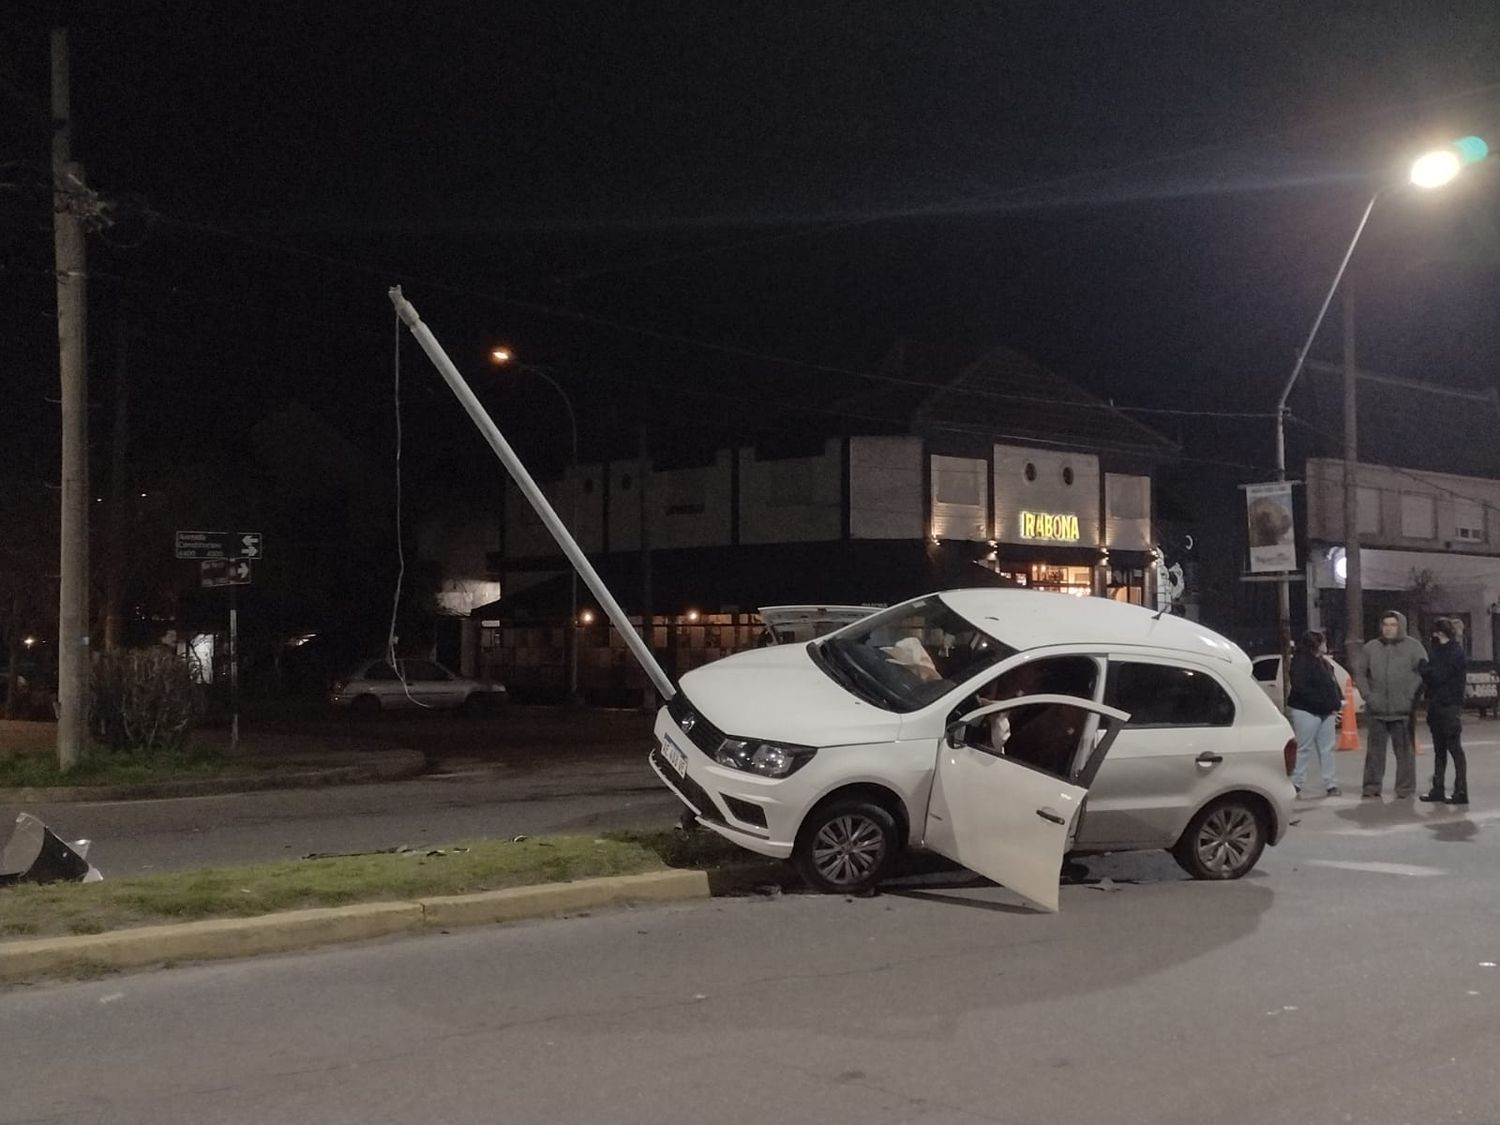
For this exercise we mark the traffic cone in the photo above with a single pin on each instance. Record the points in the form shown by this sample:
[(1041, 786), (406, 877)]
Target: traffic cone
[(1348, 723)]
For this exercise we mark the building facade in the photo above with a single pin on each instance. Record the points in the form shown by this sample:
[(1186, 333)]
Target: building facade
[(989, 470)]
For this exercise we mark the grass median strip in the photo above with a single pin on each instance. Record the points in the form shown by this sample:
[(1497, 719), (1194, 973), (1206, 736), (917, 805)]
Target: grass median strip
[(239, 892)]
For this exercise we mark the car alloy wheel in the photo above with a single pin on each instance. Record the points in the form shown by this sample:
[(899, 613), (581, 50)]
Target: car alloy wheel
[(844, 848), (1223, 842)]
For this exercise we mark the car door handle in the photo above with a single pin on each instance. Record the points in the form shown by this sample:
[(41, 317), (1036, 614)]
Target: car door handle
[(1209, 759), (1048, 814)]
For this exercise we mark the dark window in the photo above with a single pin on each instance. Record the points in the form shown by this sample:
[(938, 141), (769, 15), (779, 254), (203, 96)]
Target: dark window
[(424, 670), (380, 672), (1164, 695), (1265, 670), (1030, 471), (1068, 475), (588, 485)]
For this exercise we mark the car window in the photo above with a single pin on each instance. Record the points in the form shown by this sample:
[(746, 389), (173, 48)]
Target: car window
[(1265, 670), (908, 656), (1168, 695), (379, 672), (424, 670), (1044, 736)]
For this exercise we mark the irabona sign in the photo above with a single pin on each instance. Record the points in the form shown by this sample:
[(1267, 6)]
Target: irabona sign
[(1054, 526)]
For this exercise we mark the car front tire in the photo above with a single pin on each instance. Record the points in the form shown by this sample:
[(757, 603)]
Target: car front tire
[(1224, 840), (846, 846)]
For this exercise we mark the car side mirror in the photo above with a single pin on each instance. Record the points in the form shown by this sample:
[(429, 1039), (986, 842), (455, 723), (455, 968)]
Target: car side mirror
[(958, 733)]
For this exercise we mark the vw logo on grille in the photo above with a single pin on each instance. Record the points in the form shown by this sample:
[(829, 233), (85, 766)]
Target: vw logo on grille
[(689, 721)]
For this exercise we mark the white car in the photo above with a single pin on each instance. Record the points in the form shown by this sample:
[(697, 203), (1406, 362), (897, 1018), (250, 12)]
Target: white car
[(974, 723), (1267, 673), (375, 686)]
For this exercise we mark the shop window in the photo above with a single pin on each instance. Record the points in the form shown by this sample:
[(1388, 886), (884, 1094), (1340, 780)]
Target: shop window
[(1076, 580)]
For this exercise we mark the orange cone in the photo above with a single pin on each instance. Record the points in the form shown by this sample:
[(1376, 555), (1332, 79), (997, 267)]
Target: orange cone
[(1348, 724)]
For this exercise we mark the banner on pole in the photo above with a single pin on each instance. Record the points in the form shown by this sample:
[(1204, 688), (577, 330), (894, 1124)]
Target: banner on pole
[(1273, 535)]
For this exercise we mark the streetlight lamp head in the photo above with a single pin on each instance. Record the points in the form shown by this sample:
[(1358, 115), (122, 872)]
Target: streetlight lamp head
[(1436, 169), (499, 356)]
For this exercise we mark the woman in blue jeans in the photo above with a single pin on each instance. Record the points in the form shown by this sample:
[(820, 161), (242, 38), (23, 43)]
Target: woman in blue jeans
[(1314, 700)]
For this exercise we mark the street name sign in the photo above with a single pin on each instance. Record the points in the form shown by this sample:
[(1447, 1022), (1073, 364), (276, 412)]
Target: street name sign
[(219, 545), (224, 572)]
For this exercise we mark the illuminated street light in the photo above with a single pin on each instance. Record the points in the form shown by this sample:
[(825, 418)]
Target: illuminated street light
[(500, 356), (1436, 169), (586, 617), (29, 642)]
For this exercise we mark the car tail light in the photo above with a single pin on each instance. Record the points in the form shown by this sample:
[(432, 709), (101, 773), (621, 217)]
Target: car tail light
[(1289, 752)]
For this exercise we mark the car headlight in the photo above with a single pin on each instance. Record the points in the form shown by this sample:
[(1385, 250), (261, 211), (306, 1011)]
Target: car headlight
[(769, 759)]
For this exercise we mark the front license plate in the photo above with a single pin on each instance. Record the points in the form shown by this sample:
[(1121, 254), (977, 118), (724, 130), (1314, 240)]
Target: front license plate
[(674, 756)]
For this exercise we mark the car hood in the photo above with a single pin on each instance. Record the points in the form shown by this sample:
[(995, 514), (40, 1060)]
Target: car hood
[(779, 694)]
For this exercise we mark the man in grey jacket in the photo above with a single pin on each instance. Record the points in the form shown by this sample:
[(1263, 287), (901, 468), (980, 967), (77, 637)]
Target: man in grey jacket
[(1389, 676)]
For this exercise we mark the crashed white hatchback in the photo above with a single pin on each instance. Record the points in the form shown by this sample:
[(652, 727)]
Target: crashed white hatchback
[(1001, 728)]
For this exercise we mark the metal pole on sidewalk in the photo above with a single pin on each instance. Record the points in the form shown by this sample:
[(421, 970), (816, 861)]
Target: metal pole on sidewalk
[(234, 668)]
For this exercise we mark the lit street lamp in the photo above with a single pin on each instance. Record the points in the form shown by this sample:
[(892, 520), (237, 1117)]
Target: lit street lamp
[(1431, 170), (500, 356)]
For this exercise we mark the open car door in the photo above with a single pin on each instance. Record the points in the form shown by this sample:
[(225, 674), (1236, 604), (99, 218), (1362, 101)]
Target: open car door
[(1009, 787)]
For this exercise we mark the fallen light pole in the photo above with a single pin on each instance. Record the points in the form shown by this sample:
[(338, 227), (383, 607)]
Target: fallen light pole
[(533, 494)]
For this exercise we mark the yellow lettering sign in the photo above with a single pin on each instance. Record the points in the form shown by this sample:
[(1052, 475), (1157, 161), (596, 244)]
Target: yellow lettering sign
[(1054, 526)]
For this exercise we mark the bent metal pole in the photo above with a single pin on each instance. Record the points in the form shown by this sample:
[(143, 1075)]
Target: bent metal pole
[(532, 493)]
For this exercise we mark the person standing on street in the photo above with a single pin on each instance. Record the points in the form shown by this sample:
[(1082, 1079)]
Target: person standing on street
[(1313, 702), (1445, 676), (1389, 676)]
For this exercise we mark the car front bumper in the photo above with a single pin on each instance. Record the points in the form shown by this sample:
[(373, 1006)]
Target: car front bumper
[(726, 800)]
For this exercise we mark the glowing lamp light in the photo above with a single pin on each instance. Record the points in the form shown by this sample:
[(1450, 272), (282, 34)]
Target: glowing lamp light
[(586, 617), (29, 642), (1436, 169), (1341, 568), (500, 355), (692, 615)]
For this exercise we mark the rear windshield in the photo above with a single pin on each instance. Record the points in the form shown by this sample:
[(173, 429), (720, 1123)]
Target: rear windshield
[(906, 657)]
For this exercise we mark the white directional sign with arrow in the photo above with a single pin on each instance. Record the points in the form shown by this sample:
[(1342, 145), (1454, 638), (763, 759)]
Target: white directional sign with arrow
[(219, 545), (224, 572)]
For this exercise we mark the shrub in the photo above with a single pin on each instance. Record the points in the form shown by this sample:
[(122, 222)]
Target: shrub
[(144, 701)]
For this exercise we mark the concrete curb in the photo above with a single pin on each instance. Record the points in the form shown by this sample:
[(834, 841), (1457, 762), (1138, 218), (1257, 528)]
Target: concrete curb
[(391, 765), (304, 929)]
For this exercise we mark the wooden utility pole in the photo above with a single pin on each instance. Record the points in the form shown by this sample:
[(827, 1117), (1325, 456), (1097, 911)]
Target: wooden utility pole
[(68, 201), (114, 580), (1354, 607)]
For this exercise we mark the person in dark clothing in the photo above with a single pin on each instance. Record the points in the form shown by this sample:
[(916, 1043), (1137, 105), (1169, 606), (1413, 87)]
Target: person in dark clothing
[(1389, 675), (1313, 702), (1445, 677)]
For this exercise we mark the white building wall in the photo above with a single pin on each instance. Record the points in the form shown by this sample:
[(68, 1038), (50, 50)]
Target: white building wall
[(691, 507), (1046, 483), (1127, 512), (792, 499), (960, 498), (885, 488)]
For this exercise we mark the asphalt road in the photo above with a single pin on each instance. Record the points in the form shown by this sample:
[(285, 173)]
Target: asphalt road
[(1350, 979)]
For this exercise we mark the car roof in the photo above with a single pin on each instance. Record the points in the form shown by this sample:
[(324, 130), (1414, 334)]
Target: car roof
[(1027, 619)]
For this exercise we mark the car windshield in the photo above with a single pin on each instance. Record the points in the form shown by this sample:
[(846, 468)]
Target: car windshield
[(906, 657)]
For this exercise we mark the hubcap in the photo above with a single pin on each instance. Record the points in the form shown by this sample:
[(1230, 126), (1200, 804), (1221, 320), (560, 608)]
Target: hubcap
[(1227, 838), (848, 848)]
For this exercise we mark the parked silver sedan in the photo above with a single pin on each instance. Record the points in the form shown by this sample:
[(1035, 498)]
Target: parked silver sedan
[(376, 686)]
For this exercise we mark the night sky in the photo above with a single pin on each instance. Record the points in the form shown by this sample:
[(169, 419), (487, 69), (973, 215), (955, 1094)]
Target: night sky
[(679, 207)]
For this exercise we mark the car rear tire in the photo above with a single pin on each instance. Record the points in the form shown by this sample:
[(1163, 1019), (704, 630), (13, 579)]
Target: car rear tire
[(365, 707), (1224, 840), (846, 846)]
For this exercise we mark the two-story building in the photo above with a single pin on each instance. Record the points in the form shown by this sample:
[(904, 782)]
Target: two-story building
[(959, 469), (1429, 536)]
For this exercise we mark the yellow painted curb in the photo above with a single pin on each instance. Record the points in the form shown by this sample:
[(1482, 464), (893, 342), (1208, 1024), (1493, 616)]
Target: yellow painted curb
[(303, 929), (218, 937), (561, 898)]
